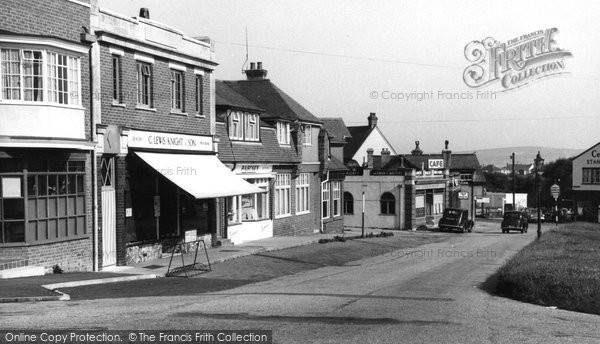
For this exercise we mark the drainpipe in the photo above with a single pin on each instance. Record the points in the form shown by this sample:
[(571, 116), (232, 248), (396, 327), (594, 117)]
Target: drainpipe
[(93, 110), (322, 220)]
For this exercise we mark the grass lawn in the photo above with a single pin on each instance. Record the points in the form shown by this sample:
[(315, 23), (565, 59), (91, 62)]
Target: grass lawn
[(561, 269)]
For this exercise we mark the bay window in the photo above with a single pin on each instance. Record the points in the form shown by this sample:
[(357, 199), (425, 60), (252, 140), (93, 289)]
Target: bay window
[(255, 207), (336, 198), (307, 141), (23, 77)]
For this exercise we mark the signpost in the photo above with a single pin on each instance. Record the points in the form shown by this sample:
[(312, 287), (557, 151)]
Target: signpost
[(555, 191)]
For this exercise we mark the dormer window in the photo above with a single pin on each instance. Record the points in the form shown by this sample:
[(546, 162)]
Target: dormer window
[(283, 133), (244, 126), (24, 77)]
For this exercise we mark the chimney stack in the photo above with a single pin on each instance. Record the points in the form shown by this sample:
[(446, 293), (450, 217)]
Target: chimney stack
[(257, 73), (417, 150), (447, 155), (370, 158), (385, 157), (144, 13), (372, 120)]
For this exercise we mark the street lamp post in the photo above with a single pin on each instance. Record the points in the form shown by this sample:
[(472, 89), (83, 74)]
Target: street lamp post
[(538, 163)]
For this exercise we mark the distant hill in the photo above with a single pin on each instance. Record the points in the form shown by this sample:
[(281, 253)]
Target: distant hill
[(523, 155)]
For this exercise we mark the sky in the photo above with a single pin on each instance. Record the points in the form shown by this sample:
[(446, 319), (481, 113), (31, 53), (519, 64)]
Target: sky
[(350, 58)]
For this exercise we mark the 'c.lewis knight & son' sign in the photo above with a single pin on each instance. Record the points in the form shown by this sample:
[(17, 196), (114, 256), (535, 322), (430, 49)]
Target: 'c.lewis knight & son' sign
[(156, 140), (516, 62)]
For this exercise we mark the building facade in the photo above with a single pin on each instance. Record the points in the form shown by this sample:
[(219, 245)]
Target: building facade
[(158, 177), (45, 135), (586, 184)]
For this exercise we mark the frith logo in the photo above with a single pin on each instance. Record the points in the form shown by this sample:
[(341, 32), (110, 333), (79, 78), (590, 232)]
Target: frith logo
[(515, 63)]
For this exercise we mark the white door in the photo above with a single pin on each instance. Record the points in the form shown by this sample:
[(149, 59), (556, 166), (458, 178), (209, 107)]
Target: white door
[(109, 227)]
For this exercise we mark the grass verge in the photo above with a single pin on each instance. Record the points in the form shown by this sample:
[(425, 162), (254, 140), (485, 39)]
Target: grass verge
[(561, 269)]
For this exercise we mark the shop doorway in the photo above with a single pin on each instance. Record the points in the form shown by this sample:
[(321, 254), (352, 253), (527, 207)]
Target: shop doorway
[(109, 227)]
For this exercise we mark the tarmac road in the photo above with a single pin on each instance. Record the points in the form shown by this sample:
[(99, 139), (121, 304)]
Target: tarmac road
[(428, 294)]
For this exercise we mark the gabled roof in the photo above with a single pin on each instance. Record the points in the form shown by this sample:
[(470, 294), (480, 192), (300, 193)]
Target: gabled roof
[(278, 104), (585, 151), (336, 129), (227, 97), (358, 136), (334, 164)]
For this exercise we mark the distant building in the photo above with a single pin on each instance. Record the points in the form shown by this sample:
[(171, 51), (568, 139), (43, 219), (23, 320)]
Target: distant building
[(520, 169), (363, 138), (586, 183)]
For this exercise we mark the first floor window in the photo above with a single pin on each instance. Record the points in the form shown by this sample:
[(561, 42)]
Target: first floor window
[(348, 203), (283, 133), (235, 126), (388, 203), (251, 127), (307, 141), (176, 90), (590, 176), (282, 194), (303, 193), (24, 77), (337, 195), (256, 206), (116, 80), (325, 195), (199, 90), (144, 84)]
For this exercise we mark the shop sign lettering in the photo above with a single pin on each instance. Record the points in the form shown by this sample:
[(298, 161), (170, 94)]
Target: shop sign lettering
[(147, 139)]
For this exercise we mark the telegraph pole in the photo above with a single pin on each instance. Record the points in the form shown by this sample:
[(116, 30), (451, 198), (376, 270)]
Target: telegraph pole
[(512, 156)]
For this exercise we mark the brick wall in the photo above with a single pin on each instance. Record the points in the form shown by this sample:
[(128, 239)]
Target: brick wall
[(162, 119), (73, 255), (58, 18)]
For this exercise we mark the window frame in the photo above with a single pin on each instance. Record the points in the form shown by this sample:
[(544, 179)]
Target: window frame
[(144, 84), (262, 183), (387, 205), (307, 139), (348, 203), (303, 193), (236, 125), (283, 133), (283, 185), (199, 84), (47, 86), (177, 91), (590, 175), (337, 198), (117, 79), (325, 201)]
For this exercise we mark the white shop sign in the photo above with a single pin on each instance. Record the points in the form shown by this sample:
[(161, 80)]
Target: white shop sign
[(156, 140), (253, 168), (435, 163)]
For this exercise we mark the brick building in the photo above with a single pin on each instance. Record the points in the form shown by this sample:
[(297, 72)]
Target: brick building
[(45, 136), (275, 143), (158, 177)]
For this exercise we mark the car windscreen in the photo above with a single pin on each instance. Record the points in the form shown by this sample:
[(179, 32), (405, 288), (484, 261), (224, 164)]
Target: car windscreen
[(451, 213), (512, 216)]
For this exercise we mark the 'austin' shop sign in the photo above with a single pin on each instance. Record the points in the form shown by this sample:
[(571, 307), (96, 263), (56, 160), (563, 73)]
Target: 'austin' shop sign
[(514, 63)]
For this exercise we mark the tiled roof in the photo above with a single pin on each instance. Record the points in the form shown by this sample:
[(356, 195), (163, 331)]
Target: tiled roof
[(267, 150), (227, 97), (278, 104), (459, 161), (336, 129), (359, 135), (478, 177), (333, 164)]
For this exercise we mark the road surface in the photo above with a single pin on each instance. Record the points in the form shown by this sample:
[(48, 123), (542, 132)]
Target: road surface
[(429, 294)]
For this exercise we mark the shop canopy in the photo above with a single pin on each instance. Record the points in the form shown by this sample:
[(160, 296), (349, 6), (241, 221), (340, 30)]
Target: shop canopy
[(202, 176)]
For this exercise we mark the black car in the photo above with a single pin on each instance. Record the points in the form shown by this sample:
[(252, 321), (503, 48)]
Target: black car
[(514, 220), (456, 219)]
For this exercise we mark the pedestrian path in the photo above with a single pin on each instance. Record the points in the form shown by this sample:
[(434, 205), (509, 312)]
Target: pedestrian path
[(47, 287)]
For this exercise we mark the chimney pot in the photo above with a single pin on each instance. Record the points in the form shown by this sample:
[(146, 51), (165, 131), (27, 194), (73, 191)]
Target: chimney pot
[(256, 71), (259, 65), (372, 120), (252, 64), (144, 13)]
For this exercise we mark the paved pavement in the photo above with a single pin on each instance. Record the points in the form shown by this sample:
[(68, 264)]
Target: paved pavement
[(42, 288)]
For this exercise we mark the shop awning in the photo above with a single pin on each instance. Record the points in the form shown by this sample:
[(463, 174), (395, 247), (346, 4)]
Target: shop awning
[(202, 176)]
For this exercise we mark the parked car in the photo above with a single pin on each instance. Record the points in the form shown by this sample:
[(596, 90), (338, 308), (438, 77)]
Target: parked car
[(514, 220), (533, 216), (456, 219)]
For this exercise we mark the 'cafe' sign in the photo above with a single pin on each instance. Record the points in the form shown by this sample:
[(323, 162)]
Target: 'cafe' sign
[(433, 164)]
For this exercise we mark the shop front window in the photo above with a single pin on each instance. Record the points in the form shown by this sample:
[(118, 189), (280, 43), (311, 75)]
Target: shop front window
[(420, 203), (54, 194), (234, 210), (255, 207)]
